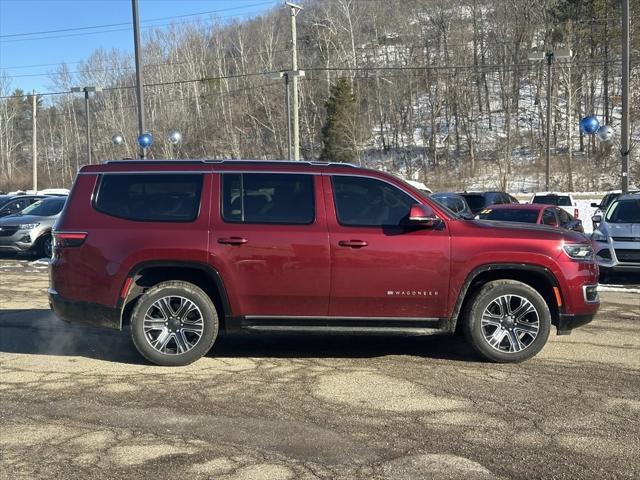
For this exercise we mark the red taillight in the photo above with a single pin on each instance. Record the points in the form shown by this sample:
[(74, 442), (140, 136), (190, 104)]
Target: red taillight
[(69, 239), (576, 212)]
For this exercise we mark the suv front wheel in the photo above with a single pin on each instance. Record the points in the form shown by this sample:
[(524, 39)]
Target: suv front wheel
[(507, 321), (174, 323)]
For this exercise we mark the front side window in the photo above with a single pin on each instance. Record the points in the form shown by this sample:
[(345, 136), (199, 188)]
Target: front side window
[(15, 206), (278, 198), (549, 218), (368, 202), (563, 216), (152, 197)]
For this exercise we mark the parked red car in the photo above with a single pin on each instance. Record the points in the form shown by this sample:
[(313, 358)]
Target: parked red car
[(182, 249), (532, 213)]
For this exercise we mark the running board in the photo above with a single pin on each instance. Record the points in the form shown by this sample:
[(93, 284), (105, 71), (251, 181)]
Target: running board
[(307, 330), (340, 325)]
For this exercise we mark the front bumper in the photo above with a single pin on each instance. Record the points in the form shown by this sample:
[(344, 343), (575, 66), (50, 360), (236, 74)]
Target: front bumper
[(84, 313), (619, 256), (566, 323), (20, 241)]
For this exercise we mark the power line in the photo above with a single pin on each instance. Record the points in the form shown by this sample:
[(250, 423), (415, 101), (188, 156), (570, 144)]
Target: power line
[(82, 34), (109, 25), (483, 68)]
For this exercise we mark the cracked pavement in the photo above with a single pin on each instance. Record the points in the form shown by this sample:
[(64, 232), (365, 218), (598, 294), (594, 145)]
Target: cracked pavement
[(78, 402)]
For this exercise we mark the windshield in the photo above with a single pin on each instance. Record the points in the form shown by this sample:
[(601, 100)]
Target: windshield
[(452, 202), (558, 200), (510, 215), (624, 211), (4, 199), (45, 208)]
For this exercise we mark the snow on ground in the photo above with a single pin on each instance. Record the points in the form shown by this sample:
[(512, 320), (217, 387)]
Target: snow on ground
[(617, 288)]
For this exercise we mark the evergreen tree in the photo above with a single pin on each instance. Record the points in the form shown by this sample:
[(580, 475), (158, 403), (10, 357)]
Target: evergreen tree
[(343, 131)]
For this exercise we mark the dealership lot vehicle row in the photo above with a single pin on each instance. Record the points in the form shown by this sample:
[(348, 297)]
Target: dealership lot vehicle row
[(84, 404)]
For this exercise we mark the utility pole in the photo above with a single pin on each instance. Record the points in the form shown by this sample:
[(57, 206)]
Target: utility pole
[(139, 91), (547, 169), (295, 9), (87, 114), (624, 130), (287, 103), (34, 141)]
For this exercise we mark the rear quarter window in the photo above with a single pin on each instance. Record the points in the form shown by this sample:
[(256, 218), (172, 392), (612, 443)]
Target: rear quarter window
[(150, 197)]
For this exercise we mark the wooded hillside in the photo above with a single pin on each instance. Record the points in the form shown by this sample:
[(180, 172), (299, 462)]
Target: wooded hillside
[(444, 92)]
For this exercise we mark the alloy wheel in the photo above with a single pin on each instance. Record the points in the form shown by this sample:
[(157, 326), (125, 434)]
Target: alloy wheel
[(510, 323), (173, 325)]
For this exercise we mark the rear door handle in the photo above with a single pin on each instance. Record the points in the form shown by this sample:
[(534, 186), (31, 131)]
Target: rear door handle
[(353, 243), (233, 240)]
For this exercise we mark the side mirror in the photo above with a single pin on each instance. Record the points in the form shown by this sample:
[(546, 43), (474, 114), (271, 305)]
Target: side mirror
[(423, 215), (595, 205), (596, 218)]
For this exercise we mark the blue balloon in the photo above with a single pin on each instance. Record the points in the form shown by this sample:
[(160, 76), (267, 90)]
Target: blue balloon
[(589, 125), (145, 140)]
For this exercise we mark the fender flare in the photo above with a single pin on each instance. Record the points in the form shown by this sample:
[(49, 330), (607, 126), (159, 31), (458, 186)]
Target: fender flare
[(210, 271), (498, 266)]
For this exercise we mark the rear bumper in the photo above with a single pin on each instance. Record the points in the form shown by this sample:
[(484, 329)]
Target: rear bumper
[(84, 313), (567, 322)]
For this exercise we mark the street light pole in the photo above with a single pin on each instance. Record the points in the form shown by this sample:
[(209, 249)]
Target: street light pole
[(139, 90), (295, 9), (86, 91), (550, 57), (624, 130)]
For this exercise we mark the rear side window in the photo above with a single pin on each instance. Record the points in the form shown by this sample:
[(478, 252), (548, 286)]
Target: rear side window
[(281, 198), (150, 197)]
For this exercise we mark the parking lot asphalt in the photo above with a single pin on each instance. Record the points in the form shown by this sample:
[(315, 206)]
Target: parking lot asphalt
[(79, 402)]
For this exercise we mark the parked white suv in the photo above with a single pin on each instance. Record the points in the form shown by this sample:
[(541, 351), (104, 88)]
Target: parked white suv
[(562, 200), (616, 239)]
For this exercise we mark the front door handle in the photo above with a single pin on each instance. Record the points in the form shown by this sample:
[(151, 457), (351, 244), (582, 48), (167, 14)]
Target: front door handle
[(353, 243), (233, 240)]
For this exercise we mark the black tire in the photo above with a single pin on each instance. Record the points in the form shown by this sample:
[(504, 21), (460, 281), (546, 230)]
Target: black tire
[(45, 246), (203, 318), (515, 341)]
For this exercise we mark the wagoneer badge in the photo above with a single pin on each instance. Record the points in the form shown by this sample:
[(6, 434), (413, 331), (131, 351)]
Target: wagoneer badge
[(412, 293)]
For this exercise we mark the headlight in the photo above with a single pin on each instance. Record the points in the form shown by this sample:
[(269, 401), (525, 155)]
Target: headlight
[(28, 226), (598, 236), (579, 252)]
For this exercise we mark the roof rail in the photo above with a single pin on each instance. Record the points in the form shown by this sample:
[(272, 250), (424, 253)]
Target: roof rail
[(231, 161)]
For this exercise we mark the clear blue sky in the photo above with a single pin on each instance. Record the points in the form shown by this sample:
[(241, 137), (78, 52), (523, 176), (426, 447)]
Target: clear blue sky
[(26, 56)]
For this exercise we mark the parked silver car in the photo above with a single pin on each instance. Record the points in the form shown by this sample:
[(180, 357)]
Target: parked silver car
[(30, 230), (616, 240)]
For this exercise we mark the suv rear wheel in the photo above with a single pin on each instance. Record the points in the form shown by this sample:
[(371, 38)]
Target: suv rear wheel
[(507, 321), (174, 323)]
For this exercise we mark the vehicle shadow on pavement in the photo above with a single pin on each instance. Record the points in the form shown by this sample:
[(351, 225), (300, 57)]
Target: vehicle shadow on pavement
[(342, 346), (40, 332)]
